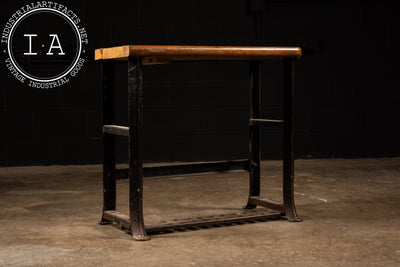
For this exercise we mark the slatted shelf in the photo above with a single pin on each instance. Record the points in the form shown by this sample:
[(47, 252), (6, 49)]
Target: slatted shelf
[(214, 220)]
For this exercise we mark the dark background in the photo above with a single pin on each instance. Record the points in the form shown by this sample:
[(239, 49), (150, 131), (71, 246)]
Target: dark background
[(347, 95)]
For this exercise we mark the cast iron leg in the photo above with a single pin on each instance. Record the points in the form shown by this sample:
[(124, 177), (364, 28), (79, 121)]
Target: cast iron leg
[(288, 154), (254, 138), (109, 191), (135, 122)]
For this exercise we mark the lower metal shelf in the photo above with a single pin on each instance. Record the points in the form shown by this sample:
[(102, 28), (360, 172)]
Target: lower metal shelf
[(205, 221)]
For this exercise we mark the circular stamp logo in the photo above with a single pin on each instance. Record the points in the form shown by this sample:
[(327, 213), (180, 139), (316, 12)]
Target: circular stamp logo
[(44, 42)]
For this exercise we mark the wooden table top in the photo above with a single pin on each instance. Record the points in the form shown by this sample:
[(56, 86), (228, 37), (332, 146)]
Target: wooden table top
[(158, 54)]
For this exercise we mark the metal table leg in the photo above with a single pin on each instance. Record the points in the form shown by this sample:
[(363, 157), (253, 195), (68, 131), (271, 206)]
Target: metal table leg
[(135, 123), (288, 131), (254, 138)]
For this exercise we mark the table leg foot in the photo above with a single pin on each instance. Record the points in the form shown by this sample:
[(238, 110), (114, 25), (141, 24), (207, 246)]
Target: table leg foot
[(291, 215), (104, 222), (250, 206), (140, 237)]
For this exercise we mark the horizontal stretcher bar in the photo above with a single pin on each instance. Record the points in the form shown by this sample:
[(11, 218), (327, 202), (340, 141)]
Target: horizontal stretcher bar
[(116, 129), (266, 203), (191, 168), (265, 122), (215, 220), (124, 131), (158, 54)]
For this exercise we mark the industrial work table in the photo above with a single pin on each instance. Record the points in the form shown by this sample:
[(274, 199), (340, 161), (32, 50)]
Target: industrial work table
[(138, 55)]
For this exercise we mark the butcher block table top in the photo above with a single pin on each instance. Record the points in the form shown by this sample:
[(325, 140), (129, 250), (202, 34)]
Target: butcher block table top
[(159, 54)]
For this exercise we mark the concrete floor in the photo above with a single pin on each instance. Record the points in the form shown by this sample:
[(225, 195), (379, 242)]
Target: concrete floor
[(351, 210)]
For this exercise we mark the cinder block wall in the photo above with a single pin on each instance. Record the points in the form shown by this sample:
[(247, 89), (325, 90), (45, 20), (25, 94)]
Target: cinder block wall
[(347, 98)]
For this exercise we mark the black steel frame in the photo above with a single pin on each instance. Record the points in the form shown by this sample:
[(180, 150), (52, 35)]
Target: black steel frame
[(135, 222)]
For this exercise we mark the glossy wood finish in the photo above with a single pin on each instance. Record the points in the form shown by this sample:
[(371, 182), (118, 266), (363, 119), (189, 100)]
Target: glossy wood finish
[(159, 54)]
